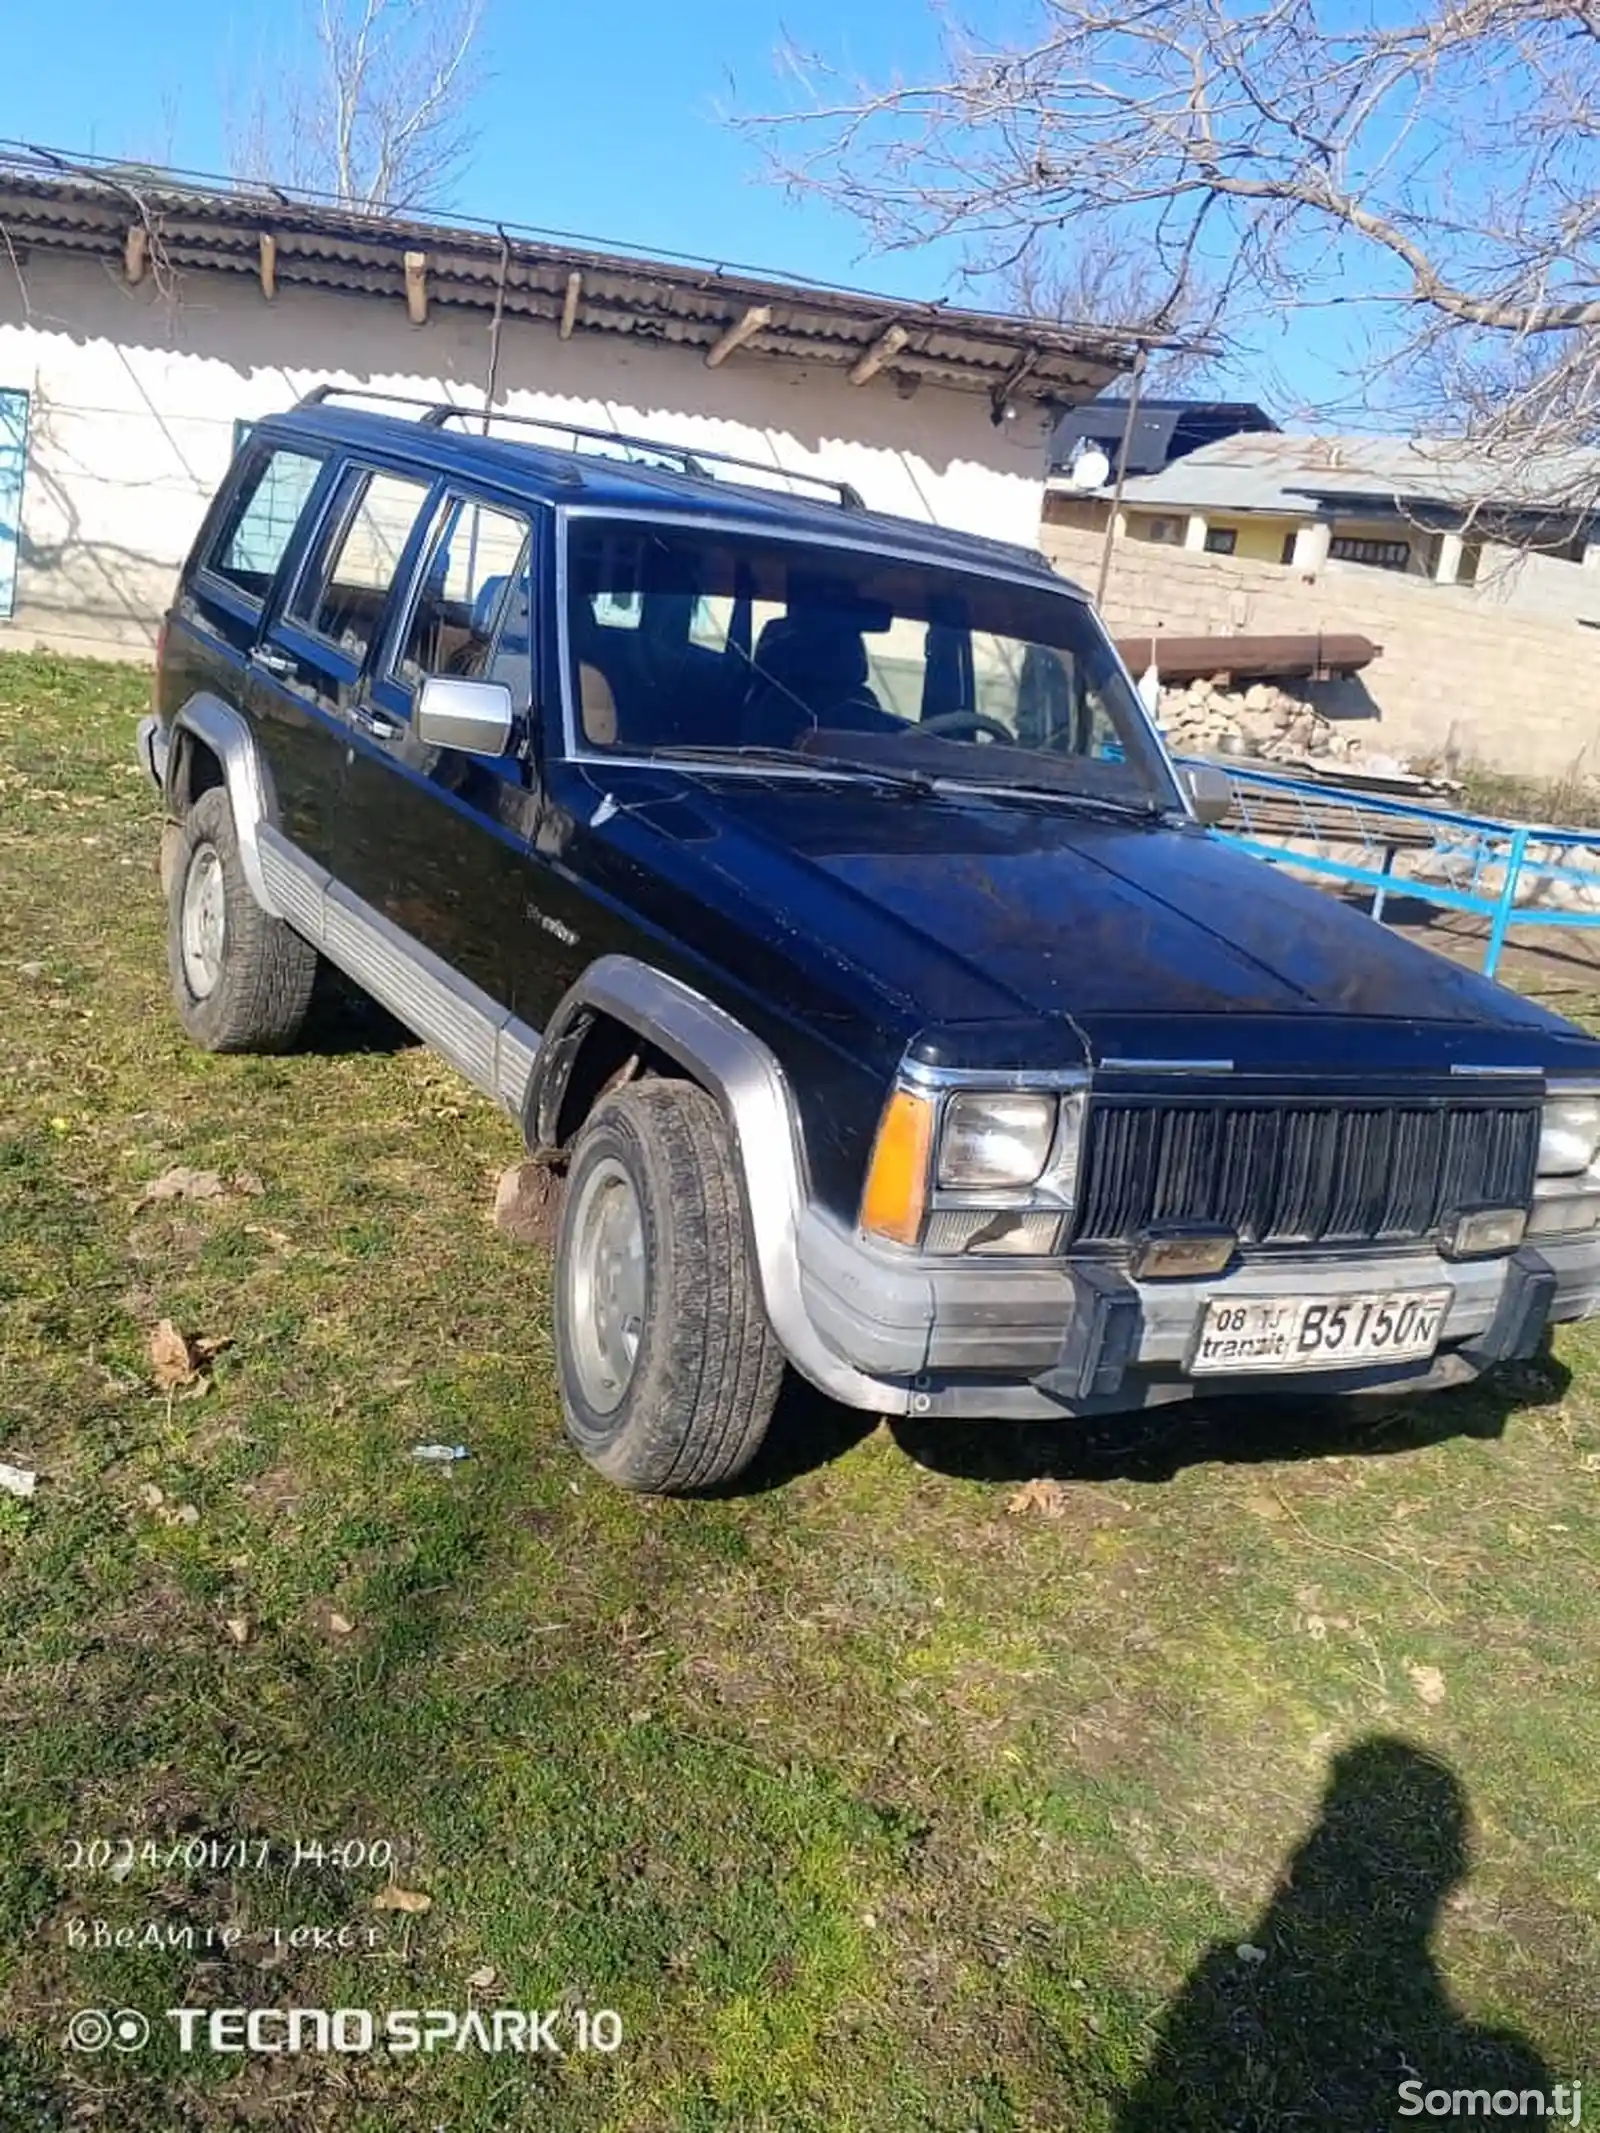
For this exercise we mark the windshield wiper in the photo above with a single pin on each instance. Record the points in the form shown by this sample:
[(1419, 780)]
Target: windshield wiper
[(1066, 795), (796, 759)]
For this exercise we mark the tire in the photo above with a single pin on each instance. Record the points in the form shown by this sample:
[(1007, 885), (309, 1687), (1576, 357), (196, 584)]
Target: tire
[(689, 1405), (242, 979)]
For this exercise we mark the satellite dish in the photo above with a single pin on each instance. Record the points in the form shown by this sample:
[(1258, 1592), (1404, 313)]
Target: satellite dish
[(1090, 467)]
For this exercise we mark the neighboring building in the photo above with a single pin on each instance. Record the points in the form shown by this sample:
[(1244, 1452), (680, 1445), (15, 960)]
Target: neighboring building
[(147, 319), (1419, 506), (1162, 431)]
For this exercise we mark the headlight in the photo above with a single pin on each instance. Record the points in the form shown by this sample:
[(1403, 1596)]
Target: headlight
[(995, 1142), (990, 1171), (1569, 1136)]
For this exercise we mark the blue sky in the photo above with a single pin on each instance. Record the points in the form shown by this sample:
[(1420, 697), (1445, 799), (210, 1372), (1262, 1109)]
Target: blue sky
[(603, 120), (600, 119)]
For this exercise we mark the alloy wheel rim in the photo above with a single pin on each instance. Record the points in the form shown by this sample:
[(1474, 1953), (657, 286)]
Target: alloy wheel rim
[(203, 922), (607, 1285)]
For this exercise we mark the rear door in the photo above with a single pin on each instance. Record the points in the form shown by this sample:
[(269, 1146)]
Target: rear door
[(272, 495), (309, 669), (435, 839)]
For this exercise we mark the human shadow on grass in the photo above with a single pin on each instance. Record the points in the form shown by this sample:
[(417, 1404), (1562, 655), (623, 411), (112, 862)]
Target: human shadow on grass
[(1316, 2017), (1158, 1443)]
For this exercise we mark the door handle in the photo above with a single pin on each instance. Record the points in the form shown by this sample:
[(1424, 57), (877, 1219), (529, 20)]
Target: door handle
[(380, 727), (272, 662)]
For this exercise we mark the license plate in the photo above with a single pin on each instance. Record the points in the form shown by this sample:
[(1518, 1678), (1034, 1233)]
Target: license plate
[(1318, 1332)]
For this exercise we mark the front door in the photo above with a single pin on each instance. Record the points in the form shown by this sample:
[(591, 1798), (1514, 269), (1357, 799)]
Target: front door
[(13, 460), (435, 839)]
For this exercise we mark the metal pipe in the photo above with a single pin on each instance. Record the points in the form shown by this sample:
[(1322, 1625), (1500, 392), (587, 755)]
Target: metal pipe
[(494, 328), (1139, 362)]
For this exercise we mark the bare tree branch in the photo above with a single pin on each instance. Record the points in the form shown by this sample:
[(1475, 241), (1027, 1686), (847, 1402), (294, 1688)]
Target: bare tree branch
[(1098, 279), (1439, 168), (379, 112)]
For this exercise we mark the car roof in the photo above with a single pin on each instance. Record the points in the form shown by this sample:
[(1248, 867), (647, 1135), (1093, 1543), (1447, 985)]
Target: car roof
[(547, 474)]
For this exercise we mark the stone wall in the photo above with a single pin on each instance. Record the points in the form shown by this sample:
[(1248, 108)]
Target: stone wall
[(1460, 679)]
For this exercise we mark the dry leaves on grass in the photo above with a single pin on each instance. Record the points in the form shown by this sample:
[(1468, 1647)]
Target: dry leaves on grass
[(1428, 1683), (171, 1514), (178, 1361), (182, 1183), (411, 1901), (1043, 1498)]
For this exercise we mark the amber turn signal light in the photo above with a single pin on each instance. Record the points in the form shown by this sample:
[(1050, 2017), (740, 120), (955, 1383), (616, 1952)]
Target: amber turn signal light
[(897, 1178)]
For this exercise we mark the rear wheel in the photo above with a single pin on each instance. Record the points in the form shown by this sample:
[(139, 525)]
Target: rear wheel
[(241, 978), (669, 1370)]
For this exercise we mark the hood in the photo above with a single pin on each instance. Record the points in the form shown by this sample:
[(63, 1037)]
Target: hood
[(970, 912)]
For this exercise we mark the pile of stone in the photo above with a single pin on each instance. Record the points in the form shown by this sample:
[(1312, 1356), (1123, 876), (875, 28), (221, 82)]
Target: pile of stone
[(1266, 719)]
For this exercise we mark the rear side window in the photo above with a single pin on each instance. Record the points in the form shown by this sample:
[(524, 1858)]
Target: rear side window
[(471, 611), (260, 523), (345, 587)]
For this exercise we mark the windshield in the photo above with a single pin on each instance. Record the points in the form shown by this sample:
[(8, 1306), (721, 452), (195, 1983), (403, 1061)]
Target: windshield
[(683, 639)]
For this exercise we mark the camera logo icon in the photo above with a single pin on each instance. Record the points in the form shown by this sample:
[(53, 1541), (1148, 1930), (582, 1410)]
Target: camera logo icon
[(94, 2029)]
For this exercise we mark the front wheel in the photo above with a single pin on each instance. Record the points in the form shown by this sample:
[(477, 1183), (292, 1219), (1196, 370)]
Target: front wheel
[(669, 1370)]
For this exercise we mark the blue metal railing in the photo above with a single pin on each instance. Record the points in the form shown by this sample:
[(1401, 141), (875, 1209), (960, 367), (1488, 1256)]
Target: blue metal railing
[(1505, 872)]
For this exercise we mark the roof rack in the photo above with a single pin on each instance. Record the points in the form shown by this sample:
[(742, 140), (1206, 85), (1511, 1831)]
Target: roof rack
[(638, 451)]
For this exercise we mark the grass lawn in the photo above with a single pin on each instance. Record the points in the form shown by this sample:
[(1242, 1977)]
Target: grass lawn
[(885, 1792)]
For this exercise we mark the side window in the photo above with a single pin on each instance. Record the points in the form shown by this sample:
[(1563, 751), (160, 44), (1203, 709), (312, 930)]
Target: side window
[(345, 587), (255, 534), (471, 614)]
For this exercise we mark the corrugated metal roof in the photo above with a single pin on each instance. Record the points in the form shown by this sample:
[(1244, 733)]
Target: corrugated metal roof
[(69, 204), (1293, 474)]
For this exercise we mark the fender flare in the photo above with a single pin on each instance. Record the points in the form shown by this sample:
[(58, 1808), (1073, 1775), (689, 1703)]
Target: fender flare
[(753, 1091), (246, 777)]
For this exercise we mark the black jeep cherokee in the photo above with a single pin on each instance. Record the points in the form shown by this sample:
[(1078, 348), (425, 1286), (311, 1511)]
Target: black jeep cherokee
[(811, 886)]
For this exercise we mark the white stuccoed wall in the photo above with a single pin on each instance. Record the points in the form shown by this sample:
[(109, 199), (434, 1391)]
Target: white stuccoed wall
[(133, 397)]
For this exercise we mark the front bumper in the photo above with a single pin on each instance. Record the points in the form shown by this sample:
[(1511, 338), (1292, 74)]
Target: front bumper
[(1017, 1341)]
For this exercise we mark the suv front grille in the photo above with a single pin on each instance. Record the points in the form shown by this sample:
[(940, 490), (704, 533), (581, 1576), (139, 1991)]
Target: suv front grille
[(1298, 1173)]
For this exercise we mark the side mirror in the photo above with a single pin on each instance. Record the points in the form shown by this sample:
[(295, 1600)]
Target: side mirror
[(1210, 791), (474, 716)]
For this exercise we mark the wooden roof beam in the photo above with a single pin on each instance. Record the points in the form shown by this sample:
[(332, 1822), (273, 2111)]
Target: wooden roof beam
[(135, 253), (569, 307), (417, 288), (744, 329), (883, 350), (267, 254)]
